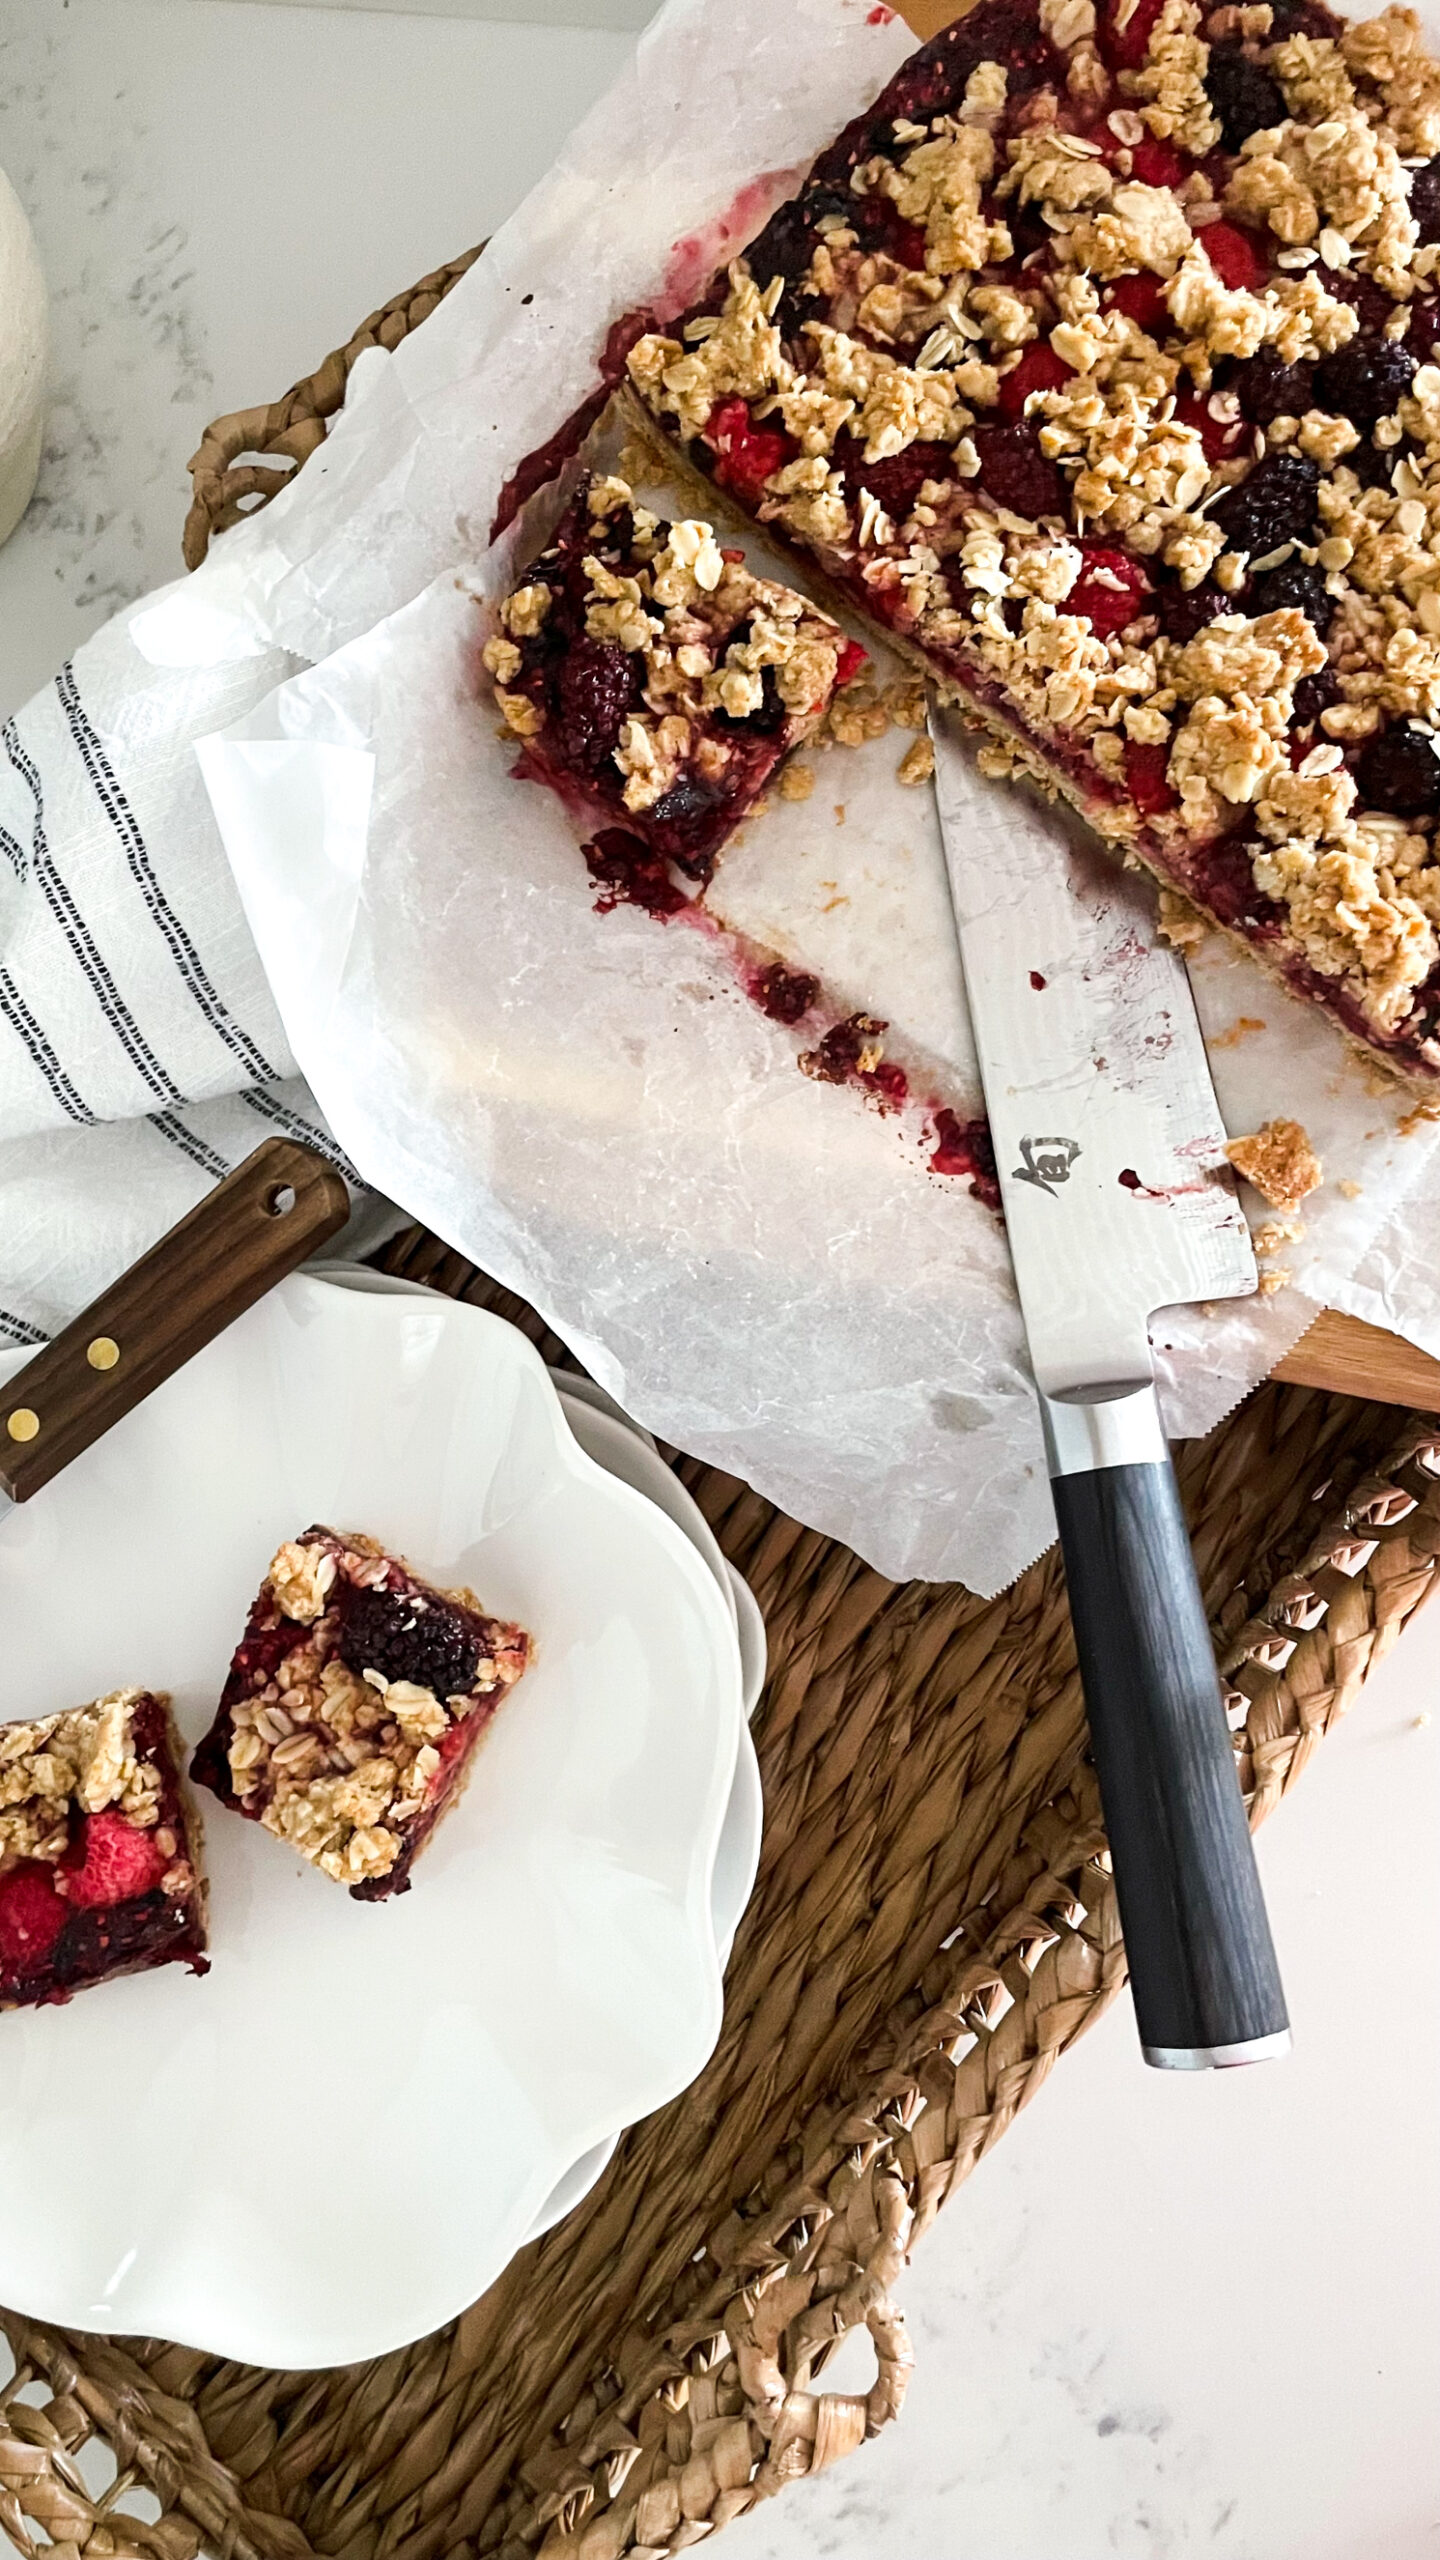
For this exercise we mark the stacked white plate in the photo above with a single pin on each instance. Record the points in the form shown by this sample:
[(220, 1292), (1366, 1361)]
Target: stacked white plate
[(339, 2138)]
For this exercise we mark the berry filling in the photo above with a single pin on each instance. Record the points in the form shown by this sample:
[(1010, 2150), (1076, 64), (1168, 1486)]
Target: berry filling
[(97, 1872), (386, 1695)]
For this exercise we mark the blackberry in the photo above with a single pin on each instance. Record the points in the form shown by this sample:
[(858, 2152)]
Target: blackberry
[(1268, 389), (1244, 97), (682, 818), (1399, 773), (898, 480), (1015, 473), (1425, 202), (1185, 610), (404, 1638), (1276, 504), (1294, 584), (1373, 468), (597, 688), (1364, 380), (1314, 694)]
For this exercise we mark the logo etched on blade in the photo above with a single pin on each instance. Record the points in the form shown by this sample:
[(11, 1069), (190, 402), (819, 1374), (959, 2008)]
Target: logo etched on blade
[(1047, 1162)]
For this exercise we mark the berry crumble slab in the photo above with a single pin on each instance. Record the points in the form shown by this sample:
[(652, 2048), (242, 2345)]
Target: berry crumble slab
[(99, 1864), (656, 684), (353, 1707), (1095, 367)]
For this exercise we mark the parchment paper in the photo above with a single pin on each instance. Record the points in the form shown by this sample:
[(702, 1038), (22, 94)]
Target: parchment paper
[(762, 1269)]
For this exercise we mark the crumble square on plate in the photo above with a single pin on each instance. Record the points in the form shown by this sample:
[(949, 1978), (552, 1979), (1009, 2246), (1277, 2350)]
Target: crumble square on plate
[(656, 684), (1095, 365), (99, 1864), (353, 1707)]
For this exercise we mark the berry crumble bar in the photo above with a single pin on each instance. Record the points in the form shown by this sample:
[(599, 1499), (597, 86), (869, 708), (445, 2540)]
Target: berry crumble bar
[(656, 684), (99, 1867), (1095, 365), (353, 1707)]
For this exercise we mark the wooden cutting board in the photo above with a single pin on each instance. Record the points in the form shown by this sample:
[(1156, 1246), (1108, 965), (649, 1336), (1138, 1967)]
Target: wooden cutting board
[(1339, 1352)]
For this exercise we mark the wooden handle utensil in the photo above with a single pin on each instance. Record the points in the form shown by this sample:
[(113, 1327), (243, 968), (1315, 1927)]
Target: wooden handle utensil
[(252, 1229)]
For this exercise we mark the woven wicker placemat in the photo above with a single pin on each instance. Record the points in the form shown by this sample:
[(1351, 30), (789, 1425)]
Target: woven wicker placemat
[(933, 1925)]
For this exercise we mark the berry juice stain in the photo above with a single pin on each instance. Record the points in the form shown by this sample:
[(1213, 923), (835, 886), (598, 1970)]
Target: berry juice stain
[(1037, 982)]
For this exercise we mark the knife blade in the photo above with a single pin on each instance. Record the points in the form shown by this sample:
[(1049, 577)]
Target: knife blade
[(1118, 1202)]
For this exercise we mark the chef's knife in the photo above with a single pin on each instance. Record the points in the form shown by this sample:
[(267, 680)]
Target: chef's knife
[(257, 1224), (1118, 1202)]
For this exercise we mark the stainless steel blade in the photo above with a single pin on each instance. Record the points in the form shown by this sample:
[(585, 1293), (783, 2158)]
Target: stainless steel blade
[(1108, 1138)]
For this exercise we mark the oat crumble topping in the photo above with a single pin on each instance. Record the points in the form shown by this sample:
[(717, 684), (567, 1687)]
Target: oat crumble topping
[(340, 1758), (1108, 380), (1280, 1163)]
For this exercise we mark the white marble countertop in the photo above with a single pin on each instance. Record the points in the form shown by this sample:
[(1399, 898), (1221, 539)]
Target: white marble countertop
[(1167, 2316)]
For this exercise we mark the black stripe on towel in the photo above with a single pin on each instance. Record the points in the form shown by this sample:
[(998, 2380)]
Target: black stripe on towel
[(15, 1329), (208, 1158), (308, 1136), (177, 941), (18, 1014), (77, 933)]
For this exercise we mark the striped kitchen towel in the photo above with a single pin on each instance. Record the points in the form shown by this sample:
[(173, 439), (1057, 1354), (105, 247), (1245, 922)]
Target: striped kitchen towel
[(141, 1054)]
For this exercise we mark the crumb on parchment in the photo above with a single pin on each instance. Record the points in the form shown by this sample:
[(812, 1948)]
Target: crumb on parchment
[(1180, 924), (1271, 1282), (839, 813), (797, 781), (1243, 1027), (917, 765), (1277, 1232), (1350, 1190), (1280, 1162)]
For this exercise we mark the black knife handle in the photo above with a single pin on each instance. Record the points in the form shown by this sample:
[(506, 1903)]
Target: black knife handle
[(1202, 1965)]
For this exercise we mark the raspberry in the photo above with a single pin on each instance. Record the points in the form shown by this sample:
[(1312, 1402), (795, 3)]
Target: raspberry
[(1425, 202), (1399, 773), (1110, 590), (1364, 380), (1185, 610), (1141, 298), (1268, 389), (1219, 436), (1276, 504), (746, 455), (1039, 369), (1157, 164), (1294, 584), (405, 1638), (907, 241), (1148, 780), (785, 994), (1244, 97), (597, 688), (32, 1914), (1015, 473), (117, 1864), (1124, 44), (849, 662), (1234, 256)]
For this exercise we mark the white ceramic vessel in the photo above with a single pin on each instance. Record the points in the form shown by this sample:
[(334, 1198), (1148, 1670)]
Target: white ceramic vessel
[(436, 2067), (23, 340)]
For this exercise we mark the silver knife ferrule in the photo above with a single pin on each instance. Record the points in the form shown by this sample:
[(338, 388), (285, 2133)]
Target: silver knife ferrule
[(1109, 1426)]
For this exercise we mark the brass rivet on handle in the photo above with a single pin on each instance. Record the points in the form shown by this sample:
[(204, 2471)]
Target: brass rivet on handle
[(23, 1424), (103, 1353)]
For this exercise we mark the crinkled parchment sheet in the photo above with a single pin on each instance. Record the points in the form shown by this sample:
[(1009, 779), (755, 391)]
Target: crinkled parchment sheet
[(762, 1268)]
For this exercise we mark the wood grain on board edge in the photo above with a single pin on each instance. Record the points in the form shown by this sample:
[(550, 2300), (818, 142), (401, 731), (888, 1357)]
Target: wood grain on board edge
[(1338, 1352)]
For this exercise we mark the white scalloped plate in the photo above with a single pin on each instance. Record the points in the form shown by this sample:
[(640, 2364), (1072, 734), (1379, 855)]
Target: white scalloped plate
[(338, 2139)]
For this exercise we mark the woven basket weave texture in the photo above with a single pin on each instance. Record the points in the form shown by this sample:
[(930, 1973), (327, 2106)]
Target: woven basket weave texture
[(934, 1924)]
